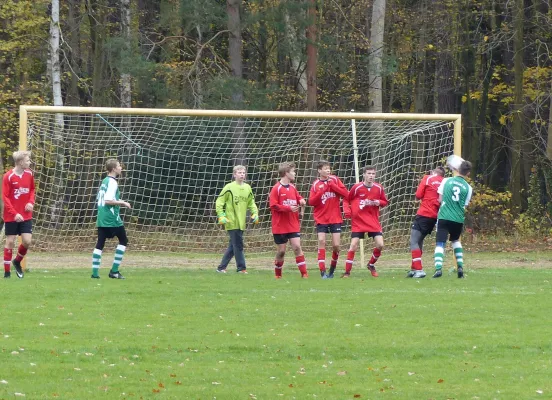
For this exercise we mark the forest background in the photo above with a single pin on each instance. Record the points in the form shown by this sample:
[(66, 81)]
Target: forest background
[(489, 60)]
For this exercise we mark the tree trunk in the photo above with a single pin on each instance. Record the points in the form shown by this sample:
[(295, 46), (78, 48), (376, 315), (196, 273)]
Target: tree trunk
[(375, 63), (96, 18), (126, 93), (59, 178), (549, 141), (312, 57), (301, 81), (517, 126), (73, 97), (236, 67)]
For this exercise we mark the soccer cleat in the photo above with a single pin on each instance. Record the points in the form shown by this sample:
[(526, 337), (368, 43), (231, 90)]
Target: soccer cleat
[(18, 269), (330, 276), (277, 276), (95, 277), (460, 272), (116, 275), (222, 271), (7, 274), (304, 276), (438, 273), (323, 274), (411, 273), (242, 271), (373, 271), (419, 274), (346, 275)]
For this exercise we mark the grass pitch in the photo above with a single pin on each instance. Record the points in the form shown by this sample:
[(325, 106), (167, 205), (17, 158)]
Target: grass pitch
[(194, 334)]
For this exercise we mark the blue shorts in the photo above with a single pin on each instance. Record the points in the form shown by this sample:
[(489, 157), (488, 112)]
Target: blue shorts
[(17, 228), (282, 238), (328, 228)]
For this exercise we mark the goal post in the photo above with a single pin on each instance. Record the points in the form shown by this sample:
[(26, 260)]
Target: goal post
[(177, 161)]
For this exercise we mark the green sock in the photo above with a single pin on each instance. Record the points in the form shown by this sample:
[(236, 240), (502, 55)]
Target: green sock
[(438, 257), (96, 261), (119, 252)]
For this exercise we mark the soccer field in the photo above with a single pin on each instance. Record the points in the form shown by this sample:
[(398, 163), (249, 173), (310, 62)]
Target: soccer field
[(189, 333)]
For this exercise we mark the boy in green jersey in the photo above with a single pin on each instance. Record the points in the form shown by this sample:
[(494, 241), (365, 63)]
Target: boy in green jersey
[(231, 206), (454, 194), (109, 221)]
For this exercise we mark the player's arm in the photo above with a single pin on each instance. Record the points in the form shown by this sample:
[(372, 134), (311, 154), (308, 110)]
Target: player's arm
[(469, 196), (441, 189), (276, 206), (383, 199), (6, 189), (220, 205), (252, 207), (421, 188), (347, 209), (109, 196), (30, 205), (338, 187), (316, 192)]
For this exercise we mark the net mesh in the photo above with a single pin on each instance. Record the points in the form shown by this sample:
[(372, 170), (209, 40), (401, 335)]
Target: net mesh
[(175, 167)]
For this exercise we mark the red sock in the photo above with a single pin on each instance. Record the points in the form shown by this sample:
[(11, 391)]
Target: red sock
[(21, 251), (322, 259), (349, 262), (7, 259), (375, 255), (278, 268), (335, 256), (417, 259), (301, 264)]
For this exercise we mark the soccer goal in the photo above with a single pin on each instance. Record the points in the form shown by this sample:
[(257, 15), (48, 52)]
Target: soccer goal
[(177, 161)]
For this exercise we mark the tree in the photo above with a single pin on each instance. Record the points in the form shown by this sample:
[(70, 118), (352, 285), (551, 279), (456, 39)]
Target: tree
[(375, 66)]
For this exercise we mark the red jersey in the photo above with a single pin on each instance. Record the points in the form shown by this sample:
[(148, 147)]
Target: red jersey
[(17, 192), (427, 192), (364, 216), (282, 197), (325, 198)]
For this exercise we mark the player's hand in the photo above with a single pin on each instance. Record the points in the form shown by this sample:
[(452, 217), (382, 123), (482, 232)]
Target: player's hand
[(294, 208), (125, 204), (29, 207), (223, 220), (302, 202), (18, 218), (255, 218)]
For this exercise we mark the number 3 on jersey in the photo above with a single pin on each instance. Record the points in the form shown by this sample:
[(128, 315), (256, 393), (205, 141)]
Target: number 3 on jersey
[(456, 194)]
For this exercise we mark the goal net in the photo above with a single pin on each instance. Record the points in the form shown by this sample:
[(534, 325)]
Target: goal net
[(177, 161)]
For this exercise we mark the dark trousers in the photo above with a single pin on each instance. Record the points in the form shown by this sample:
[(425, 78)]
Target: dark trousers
[(235, 249)]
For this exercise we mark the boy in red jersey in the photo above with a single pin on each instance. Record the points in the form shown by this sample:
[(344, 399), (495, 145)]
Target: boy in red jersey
[(425, 219), (325, 195), (18, 194), (285, 204), (363, 207)]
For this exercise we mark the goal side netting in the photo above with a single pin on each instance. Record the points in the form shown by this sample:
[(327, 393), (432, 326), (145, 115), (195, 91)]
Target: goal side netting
[(176, 165)]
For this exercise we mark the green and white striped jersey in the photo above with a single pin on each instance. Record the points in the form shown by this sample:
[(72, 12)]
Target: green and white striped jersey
[(456, 195), (108, 216)]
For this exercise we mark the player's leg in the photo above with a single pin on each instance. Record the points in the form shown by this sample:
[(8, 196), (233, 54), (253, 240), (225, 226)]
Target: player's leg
[(376, 253), (97, 253), (439, 254), (281, 241), (8, 247), (355, 240), (416, 238), (336, 243), (321, 231), (25, 229), (227, 256), (237, 244), (295, 243), (120, 232), (457, 248)]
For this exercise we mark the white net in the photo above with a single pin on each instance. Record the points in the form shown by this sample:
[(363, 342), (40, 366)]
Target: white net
[(175, 166)]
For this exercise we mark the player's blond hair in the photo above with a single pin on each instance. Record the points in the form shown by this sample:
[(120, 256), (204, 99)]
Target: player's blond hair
[(237, 168), (111, 164), (284, 168), (20, 155)]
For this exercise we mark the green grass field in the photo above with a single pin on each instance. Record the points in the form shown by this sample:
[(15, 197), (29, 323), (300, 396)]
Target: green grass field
[(186, 333)]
